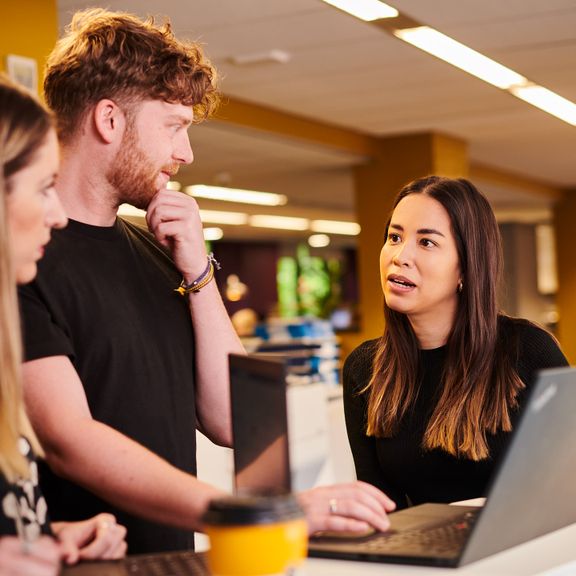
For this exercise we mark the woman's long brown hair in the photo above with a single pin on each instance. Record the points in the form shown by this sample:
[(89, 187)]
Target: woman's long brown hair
[(479, 383)]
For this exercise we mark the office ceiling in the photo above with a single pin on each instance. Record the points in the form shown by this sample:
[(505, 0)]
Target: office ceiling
[(350, 74)]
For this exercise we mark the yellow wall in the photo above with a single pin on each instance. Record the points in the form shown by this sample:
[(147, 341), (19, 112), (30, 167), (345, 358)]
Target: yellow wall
[(565, 216), (28, 28)]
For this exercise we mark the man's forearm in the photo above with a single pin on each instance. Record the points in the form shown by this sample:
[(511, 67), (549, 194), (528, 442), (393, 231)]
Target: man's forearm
[(132, 478), (215, 338)]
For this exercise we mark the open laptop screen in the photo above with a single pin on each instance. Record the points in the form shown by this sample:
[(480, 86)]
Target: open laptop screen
[(261, 458)]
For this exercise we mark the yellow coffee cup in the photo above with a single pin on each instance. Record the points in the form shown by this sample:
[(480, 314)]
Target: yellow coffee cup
[(255, 535)]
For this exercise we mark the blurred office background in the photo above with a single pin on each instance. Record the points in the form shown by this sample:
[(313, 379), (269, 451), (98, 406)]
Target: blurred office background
[(333, 114)]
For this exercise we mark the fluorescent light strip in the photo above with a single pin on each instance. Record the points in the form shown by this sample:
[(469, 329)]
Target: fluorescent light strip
[(437, 44), (236, 195), (129, 210), (259, 221), (335, 227), (319, 240), (367, 10), (461, 56), (212, 233), (221, 217), (280, 222), (547, 101)]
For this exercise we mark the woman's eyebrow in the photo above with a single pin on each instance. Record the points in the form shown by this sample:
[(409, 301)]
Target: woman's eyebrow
[(419, 231), (430, 231)]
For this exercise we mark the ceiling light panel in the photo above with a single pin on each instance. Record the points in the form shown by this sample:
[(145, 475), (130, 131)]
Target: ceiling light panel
[(548, 101), (319, 240), (211, 234), (222, 217), (461, 56), (335, 227), (236, 195), (280, 222), (367, 10), (129, 210)]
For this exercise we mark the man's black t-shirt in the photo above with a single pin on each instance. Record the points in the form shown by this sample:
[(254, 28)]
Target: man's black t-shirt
[(104, 297)]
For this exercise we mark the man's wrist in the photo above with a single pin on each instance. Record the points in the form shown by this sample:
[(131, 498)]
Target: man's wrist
[(204, 279)]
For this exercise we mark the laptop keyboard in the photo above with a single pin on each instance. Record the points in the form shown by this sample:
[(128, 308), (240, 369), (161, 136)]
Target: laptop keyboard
[(446, 538), (167, 564)]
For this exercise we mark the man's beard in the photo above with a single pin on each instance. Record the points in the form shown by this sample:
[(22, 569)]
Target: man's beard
[(131, 173)]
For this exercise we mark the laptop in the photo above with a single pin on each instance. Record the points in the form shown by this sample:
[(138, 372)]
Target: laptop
[(184, 563), (531, 493)]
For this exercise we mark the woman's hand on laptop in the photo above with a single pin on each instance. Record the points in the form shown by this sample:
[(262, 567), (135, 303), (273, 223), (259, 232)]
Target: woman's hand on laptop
[(98, 538), (354, 507)]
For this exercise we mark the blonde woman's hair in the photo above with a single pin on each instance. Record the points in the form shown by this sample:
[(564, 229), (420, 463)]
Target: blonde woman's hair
[(24, 125)]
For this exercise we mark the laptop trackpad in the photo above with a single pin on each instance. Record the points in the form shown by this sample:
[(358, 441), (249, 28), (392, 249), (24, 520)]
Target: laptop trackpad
[(426, 515), (342, 535)]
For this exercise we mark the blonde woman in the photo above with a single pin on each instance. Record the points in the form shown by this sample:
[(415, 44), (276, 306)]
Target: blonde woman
[(29, 209)]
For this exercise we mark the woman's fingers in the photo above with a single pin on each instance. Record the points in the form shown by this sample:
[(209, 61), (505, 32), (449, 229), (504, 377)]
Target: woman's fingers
[(356, 507), (109, 538)]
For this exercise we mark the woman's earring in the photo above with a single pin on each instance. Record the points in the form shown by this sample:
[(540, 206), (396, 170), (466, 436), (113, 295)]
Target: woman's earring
[(460, 286)]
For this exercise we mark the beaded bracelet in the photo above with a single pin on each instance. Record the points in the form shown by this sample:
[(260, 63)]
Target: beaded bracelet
[(202, 280)]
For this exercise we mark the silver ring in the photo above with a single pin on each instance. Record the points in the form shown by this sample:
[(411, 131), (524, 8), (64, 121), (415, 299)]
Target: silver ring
[(333, 504)]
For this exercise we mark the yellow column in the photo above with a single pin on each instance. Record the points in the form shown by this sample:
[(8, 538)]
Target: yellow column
[(565, 216), (399, 160), (28, 28)]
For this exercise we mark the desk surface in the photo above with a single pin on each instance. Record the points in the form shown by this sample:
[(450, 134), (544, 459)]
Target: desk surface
[(551, 555)]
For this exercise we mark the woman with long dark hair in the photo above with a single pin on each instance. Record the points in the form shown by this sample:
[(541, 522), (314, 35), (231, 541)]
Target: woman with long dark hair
[(431, 403)]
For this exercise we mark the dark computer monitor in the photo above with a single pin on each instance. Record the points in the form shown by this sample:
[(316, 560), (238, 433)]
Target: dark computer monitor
[(259, 424)]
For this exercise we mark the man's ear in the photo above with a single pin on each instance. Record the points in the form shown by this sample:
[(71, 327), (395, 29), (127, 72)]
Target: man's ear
[(109, 120)]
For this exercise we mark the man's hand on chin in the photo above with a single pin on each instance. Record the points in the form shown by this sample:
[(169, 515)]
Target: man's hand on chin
[(174, 219)]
